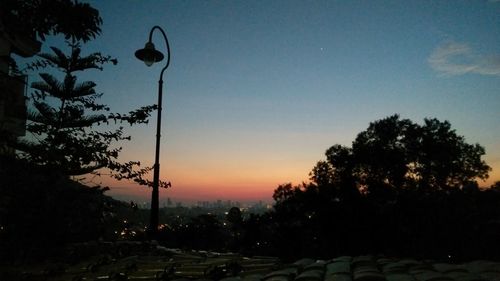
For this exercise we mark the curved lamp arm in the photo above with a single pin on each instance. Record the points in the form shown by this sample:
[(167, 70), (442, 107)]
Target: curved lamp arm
[(168, 47), (149, 55)]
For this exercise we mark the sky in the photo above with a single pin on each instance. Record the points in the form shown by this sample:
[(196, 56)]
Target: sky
[(256, 91)]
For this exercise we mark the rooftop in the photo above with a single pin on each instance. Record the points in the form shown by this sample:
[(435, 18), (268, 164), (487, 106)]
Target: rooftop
[(145, 261)]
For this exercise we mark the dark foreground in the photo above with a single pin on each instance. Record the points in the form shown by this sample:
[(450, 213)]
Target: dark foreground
[(149, 261)]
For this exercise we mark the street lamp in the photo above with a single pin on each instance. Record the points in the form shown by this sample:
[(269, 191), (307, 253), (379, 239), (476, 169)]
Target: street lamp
[(150, 55)]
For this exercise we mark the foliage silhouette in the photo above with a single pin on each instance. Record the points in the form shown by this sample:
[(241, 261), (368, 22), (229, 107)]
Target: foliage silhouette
[(76, 21), (65, 116), (403, 189), (235, 223), (65, 113), (396, 153), (41, 210), (496, 186)]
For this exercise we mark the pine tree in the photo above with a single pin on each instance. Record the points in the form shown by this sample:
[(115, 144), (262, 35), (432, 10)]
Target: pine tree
[(65, 119)]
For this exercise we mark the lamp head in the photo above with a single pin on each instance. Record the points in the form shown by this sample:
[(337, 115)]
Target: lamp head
[(149, 54)]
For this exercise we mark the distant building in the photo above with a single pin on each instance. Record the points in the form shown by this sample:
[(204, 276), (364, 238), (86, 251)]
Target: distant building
[(13, 86)]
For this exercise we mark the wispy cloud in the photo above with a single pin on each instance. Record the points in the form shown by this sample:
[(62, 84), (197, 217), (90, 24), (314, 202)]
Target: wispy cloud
[(452, 58)]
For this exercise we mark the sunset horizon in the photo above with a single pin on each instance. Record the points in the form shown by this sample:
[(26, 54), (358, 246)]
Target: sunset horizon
[(256, 92), (236, 140)]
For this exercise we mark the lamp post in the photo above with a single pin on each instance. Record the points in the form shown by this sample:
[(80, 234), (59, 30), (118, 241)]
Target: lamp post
[(150, 55)]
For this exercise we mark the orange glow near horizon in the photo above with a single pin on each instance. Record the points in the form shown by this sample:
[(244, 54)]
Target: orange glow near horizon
[(237, 165), (199, 192), (213, 183)]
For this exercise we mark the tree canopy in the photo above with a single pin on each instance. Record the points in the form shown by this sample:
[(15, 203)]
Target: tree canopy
[(64, 115), (402, 188), (76, 21), (65, 119), (394, 153)]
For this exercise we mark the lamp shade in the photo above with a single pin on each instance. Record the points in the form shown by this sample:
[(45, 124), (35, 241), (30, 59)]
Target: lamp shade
[(149, 54)]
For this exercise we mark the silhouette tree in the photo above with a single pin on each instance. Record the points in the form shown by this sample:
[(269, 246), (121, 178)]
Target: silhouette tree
[(234, 216), (205, 232), (322, 174), (65, 116), (42, 210), (65, 113), (283, 192), (496, 186), (35, 19), (76, 21), (396, 153), (235, 221), (402, 189), (445, 160)]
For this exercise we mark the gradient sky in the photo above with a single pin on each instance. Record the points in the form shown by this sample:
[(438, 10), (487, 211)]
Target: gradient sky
[(257, 90)]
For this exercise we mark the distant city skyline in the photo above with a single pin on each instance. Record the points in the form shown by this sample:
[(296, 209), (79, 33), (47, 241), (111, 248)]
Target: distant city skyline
[(258, 90), (217, 203)]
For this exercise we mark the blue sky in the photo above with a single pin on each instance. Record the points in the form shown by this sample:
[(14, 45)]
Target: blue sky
[(257, 90)]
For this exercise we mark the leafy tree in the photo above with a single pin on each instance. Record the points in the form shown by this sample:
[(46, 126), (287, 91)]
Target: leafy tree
[(76, 21), (496, 186), (234, 216), (36, 19), (322, 174), (65, 117), (381, 153), (396, 153), (284, 192), (235, 225), (445, 160), (65, 113), (402, 189)]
